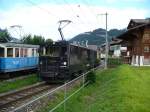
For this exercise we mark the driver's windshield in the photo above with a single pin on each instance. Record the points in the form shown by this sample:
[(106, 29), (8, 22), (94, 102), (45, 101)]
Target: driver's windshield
[(53, 51), (56, 51)]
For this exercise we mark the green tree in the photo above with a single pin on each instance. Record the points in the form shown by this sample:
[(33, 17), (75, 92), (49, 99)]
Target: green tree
[(27, 39), (48, 41), (38, 40), (4, 35)]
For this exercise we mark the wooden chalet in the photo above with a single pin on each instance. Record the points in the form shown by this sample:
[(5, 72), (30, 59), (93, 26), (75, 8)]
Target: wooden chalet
[(137, 41)]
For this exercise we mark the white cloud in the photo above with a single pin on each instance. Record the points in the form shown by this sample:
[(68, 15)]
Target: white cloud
[(115, 1), (44, 21)]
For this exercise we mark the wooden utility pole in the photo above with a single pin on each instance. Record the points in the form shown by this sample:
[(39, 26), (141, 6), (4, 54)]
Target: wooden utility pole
[(106, 41)]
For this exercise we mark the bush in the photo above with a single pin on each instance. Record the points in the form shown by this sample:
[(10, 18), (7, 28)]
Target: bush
[(114, 61), (91, 77), (97, 62)]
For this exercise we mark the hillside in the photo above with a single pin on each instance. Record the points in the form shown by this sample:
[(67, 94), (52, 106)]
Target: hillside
[(96, 37)]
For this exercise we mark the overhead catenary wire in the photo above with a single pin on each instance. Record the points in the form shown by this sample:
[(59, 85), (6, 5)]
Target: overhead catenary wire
[(56, 16), (90, 9), (50, 13), (74, 15), (74, 12), (87, 20), (47, 11), (85, 23), (43, 9), (77, 17)]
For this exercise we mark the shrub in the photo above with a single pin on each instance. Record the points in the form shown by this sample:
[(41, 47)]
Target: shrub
[(114, 61), (91, 77)]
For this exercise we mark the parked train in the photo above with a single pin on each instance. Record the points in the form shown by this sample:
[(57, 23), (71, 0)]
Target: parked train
[(63, 61), (17, 57)]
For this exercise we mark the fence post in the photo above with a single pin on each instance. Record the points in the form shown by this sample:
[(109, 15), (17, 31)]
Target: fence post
[(83, 79), (65, 94)]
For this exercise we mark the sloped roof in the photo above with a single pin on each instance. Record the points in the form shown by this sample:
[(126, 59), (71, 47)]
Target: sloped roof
[(129, 31), (140, 20), (115, 41), (18, 45), (136, 22)]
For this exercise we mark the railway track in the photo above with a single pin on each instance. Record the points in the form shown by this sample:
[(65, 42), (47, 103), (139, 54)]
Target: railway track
[(11, 79), (12, 100)]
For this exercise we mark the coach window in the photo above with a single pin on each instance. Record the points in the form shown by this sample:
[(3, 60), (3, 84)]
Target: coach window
[(32, 52), (36, 52), (21, 52), (16, 52), (25, 52), (1, 52), (9, 52)]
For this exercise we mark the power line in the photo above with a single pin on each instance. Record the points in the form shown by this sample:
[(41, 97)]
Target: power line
[(90, 9), (74, 12), (41, 8), (76, 17)]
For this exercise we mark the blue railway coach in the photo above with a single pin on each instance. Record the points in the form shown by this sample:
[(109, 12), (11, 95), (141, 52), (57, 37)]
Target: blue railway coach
[(16, 57)]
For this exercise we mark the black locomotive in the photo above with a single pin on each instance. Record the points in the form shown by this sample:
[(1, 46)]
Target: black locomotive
[(63, 61)]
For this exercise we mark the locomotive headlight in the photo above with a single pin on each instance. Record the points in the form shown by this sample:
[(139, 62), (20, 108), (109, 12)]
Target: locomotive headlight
[(64, 63), (41, 63)]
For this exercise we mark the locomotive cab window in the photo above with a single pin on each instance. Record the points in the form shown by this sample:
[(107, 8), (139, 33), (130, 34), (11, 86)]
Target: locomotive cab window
[(63, 51), (9, 52), (57, 51), (1, 52), (53, 51)]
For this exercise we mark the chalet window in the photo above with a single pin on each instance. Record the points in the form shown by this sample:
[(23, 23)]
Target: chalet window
[(146, 37), (146, 49), (16, 52), (1, 52), (9, 52)]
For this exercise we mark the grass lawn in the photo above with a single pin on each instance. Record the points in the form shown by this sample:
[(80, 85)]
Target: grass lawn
[(19, 83), (122, 89)]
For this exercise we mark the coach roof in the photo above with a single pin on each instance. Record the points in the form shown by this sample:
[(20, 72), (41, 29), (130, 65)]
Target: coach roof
[(18, 45)]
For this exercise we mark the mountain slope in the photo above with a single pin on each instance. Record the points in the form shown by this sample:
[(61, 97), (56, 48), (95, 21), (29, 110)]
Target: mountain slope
[(96, 37)]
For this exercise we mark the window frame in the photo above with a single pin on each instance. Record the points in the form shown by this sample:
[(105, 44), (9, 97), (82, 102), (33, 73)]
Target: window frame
[(12, 52), (21, 52), (3, 52), (18, 52), (146, 49), (25, 52)]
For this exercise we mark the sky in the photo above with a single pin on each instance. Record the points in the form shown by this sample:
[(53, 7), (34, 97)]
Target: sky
[(41, 17)]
